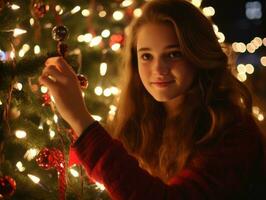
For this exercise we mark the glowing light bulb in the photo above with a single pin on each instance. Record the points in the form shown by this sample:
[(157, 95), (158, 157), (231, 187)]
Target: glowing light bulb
[(18, 86), (115, 90), (196, 3), (20, 134), (98, 91), (55, 118), (15, 7), (126, 3), (85, 12), (95, 41), (31, 153), (18, 31), (74, 172), (34, 179), (118, 15), (97, 117), (116, 47), (263, 61), (102, 13), (242, 77), (137, 12), (241, 68), (44, 89), (99, 186), (208, 11), (32, 21), (260, 117), (52, 134), (105, 33), (107, 92), (103, 68), (20, 166), (249, 68), (37, 49), (75, 10)]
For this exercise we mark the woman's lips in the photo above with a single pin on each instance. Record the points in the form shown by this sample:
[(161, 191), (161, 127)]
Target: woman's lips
[(162, 84)]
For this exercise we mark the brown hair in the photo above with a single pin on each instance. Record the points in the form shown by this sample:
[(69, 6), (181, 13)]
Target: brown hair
[(163, 147)]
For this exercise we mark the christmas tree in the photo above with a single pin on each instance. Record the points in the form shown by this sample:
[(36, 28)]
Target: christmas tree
[(34, 140)]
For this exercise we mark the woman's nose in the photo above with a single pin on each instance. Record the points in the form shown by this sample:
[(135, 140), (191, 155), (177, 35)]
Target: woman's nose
[(161, 67)]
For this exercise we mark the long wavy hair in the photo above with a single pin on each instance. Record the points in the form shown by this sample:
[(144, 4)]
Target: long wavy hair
[(164, 146)]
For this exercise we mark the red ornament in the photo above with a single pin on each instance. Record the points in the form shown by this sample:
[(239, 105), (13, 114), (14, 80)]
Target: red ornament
[(83, 81), (7, 186), (116, 38), (50, 158), (47, 99), (39, 9), (54, 158)]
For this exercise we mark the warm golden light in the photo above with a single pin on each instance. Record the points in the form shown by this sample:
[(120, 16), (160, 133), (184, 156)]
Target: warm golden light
[(20, 134), (263, 61), (34, 179), (118, 15)]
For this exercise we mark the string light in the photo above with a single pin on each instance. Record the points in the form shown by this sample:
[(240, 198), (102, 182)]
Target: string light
[(96, 117), (44, 89), (87, 37), (75, 10), (1, 103), (115, 90), (20, 166), (31, 153), (12, 54), (249, 68), (74, 172), (103, 68), (95, 41), (126, 3), (242, 77), (15, 7), (196, 3), (52, 134), (37, 49), (20, 134), (221, 37), (18, 86), (264, 41), (40, 126), (208, 11), (99, 186), (107, 92), (102, 13), (116, 46), (85, 12), (32, 21), (263, 60), (105, 33), (18, 31), (118, 15), (34, 179), (55, 118), (98, 91), (137, 12)]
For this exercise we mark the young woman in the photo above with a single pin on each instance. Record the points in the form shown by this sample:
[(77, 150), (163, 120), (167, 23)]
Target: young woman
[(184, 128)]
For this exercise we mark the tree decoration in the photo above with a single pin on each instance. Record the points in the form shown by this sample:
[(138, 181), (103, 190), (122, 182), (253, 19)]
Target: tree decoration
[(39, 9), (83, 81), (54, 158), (7, 186)]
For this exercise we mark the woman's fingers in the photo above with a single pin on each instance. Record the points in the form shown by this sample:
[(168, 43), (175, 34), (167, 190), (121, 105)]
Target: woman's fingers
[(60, 64), (53, 73)]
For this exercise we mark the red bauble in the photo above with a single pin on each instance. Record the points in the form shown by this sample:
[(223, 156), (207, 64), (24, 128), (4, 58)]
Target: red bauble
[(51, 158), (47, 99), (39, 9), (116, 38), (7, 186), (83, 81)]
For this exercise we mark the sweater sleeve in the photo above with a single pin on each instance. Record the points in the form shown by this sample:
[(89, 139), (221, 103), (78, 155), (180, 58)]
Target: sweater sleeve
[(219, 173)]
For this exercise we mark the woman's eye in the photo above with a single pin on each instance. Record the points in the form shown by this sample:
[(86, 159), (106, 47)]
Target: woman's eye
[(146, 56), (174, 55)]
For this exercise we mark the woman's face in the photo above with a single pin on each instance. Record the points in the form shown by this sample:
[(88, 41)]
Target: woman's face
[(163, 70)]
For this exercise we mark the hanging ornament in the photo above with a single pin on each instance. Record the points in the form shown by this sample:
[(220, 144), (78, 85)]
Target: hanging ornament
[(54, 158), (83, 81), (59, 34), (7, 186), (39, 9), (46, 99)]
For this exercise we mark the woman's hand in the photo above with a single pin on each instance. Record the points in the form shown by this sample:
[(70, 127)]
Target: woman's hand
[(64, 86)]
